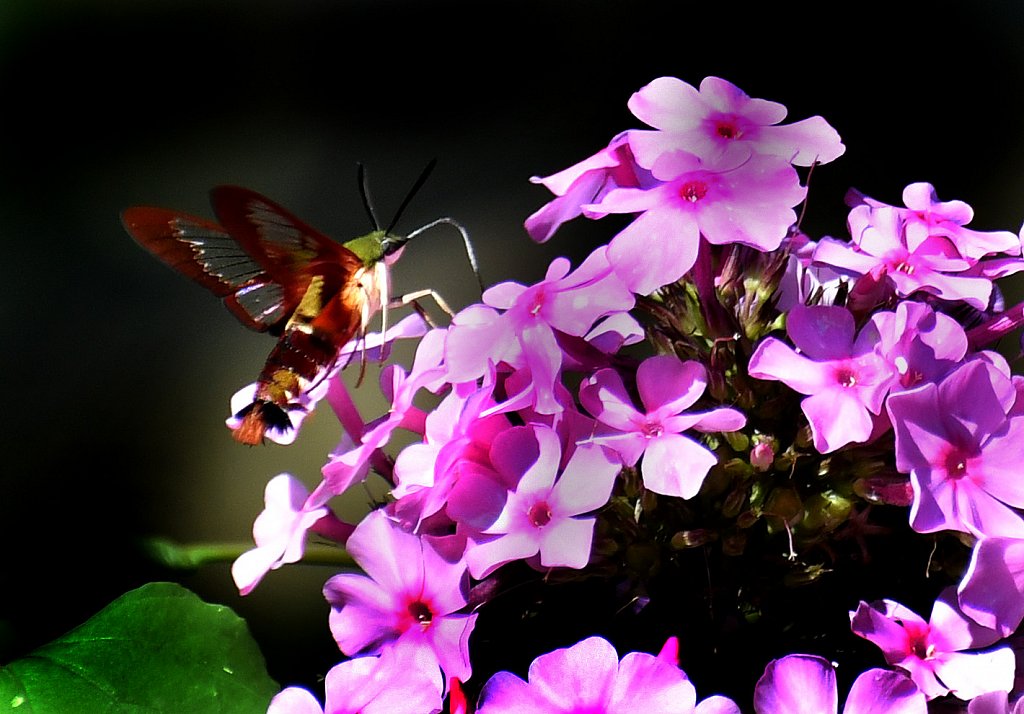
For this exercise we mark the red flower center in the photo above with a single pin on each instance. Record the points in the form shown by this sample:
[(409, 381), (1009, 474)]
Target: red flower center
[(956, 464), (693, 191), (728, 131), (421, 613), (846, 377), (539, 514)]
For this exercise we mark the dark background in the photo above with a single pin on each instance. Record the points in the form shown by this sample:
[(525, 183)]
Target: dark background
[(116, 372)]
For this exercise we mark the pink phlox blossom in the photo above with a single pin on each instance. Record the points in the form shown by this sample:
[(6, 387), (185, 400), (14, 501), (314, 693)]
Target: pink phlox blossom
[(673, 464), (921, 345), (962, 451), (450, 469), (845, 379), (926, 216), (991, 591), (720, 119), (725, 200), (370, 346), (588, 678), (572, 425), (402, 680), (806, 684), (584, 183), (280, 530), (524, 335), (411, 596), (934, 653), (361, 444), (882, 249), (548, 512), (995, 703)]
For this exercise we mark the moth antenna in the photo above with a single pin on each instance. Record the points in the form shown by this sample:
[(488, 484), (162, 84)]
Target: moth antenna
[(393, 244), (364, 193), (412, 192)]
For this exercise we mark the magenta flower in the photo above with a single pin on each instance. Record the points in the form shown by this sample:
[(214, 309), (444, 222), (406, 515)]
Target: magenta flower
[(280, 531), (411, 596), (399, 681), (450, 469), (727, 200), (845, 379), (674, 464), (992, 590), (995, 703), (882, 249), (933, 652), (584, 183), (962, 451), (546, 516), (588, 678), (920, 344), (806, 684), (720, 118), (925, 216), (524, 336)]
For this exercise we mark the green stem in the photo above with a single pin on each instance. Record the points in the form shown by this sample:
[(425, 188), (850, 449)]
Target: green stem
[(179, 556)]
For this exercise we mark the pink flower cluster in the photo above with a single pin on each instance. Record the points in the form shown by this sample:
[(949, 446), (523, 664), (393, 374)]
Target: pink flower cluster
[(711, 359)]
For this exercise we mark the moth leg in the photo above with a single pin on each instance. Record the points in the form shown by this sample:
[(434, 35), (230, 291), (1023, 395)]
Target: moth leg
[(413, 297)]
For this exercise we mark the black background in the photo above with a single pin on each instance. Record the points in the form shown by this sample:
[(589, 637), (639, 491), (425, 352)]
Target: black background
[(116, 372)]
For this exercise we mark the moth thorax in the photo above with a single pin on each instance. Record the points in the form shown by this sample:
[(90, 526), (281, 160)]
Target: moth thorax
[(368, 248)]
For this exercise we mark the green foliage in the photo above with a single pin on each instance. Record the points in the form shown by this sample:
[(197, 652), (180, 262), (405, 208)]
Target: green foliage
[(155, 649)]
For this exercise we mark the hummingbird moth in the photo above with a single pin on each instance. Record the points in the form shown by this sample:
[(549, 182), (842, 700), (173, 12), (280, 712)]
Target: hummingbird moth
[(276, 274)]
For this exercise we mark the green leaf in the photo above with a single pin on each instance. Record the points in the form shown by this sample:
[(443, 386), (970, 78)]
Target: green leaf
[(156, 649)]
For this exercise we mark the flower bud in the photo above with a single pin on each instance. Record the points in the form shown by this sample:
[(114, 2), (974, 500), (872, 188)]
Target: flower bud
[(762, 456)]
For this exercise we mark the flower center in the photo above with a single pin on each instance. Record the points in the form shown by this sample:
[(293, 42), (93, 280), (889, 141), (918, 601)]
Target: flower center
[(539, 514), (728, 131), (922, 649), (421, 613), (652, 429), (956, 464), (537, 303), (846, 377), (693, 191), (904, 266)]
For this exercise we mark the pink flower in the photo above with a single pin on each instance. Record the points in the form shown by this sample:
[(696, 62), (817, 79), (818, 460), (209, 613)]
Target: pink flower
[(806, 684), (963, 451), (720, 119), (588, 678), (280, 531), (995, 703), (450, 469), (524, 336), (411, 596), (674, 464), (399, 681), (933, 653), (725, 200), (546, 516), (920, 344), (992, 590), (838, 368), (925, 216), (884, 250), (583, 183)]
